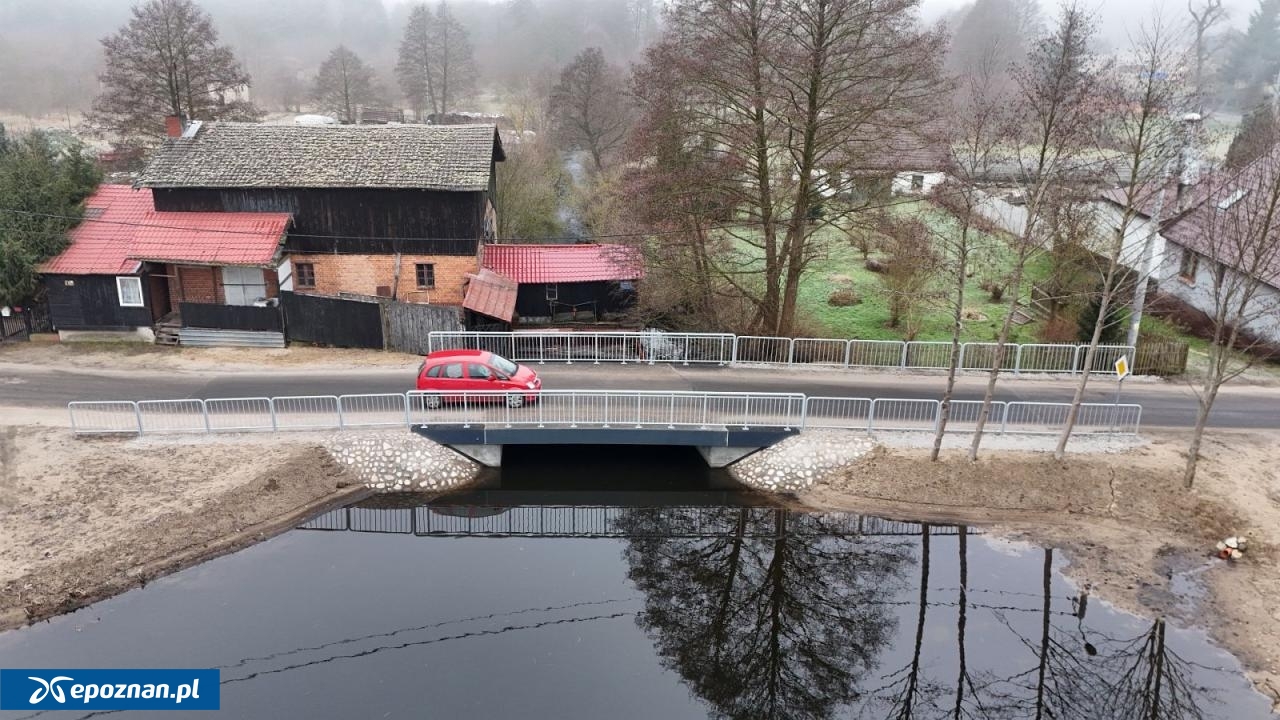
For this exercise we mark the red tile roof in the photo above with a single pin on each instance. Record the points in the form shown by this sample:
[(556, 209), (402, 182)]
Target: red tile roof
[(210, 238), (564, 263), (102, 248), (121, 228), (491, 294)]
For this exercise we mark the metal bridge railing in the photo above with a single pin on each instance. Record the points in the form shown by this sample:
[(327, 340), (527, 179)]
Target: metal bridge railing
[(651, 347), (622, 409)]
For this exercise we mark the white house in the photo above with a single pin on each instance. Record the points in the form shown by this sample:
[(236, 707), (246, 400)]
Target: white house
[(1227, 235)]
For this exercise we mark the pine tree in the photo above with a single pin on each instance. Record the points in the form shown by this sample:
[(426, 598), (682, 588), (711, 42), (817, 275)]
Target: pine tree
[(1113, 332), (1256, 135), (1255, 57), (47, 181)]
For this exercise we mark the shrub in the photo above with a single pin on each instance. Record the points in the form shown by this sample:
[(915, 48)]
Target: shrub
[(843, 297), (1058, 330), (874, 265)]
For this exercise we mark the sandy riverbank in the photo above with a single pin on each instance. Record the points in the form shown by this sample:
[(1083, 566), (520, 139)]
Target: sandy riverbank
[(1122, 518), (83, 519)]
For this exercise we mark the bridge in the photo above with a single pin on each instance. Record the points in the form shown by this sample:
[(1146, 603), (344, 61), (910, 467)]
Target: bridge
[(724, 426)]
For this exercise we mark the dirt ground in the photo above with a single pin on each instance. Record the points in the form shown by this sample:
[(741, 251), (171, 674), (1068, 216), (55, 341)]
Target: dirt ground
[(1123, 520), (83, 519), (145, 356)]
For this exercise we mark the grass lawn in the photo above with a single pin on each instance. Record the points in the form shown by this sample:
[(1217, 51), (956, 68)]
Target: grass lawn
[(841, 265)]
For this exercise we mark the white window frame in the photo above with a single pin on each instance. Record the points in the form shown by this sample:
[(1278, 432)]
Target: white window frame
[(121, 282)]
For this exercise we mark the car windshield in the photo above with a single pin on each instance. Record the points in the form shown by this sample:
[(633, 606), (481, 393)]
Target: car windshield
[(504, 365)]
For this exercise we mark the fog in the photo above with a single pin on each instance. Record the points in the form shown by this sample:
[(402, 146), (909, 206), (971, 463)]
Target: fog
[(50, 55)]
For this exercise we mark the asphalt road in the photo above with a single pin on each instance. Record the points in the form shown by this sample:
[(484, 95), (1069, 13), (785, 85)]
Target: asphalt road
[(1164, 404)]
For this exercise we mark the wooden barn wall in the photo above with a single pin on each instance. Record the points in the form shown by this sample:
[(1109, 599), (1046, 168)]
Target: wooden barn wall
[(531, 298), (92, 304), (430, 222)]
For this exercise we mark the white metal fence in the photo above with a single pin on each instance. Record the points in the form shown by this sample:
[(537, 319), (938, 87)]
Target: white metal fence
[(653, 347), (622, 409)]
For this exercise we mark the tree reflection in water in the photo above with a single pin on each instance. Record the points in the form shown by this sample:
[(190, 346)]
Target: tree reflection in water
[(785, 615), (779, 618)]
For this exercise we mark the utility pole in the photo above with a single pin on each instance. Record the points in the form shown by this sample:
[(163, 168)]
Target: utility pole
[(1146, 265)]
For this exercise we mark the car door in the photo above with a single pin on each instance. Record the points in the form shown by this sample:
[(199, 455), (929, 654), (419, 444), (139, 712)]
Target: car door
[(453, 380), (480, 377)]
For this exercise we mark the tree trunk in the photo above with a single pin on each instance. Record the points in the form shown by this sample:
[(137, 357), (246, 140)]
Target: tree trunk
[(1002, 343), (957, 326)]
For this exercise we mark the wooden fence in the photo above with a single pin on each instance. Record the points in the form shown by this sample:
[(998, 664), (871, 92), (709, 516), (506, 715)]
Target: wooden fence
[(231, 317), (407, 327), (1166, 358), (365, 322)]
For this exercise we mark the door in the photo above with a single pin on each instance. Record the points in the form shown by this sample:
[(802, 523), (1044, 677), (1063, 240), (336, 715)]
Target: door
[(159, 288)]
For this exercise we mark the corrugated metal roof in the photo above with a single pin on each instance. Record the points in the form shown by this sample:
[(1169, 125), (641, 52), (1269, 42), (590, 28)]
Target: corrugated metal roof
[(210, 238), (564, 263), (239, 155), (491, 294), (121, 228), (102, 248)]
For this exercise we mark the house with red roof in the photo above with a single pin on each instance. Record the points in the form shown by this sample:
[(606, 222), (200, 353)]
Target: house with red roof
[(127, 265), (532, 283)]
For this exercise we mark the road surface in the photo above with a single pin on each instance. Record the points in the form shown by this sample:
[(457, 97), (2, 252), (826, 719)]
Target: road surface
[(1165, 404)]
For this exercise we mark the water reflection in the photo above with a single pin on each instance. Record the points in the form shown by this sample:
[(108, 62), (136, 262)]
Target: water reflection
[(770, 613), (498, 611)]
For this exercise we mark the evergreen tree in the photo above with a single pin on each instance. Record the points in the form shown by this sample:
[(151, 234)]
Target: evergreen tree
[(1113, 332), (42, 183), (1256, 135), (1255, 57)]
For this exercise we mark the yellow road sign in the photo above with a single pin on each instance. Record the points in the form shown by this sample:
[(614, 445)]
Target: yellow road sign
[(1122, 367)]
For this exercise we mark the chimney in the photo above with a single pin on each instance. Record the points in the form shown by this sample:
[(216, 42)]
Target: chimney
[(1188, 158), (174, 125)]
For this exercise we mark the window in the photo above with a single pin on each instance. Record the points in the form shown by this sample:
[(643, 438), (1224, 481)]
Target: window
[(553, 292), (305, 274), (478, 372), (917, 182), (453, 371), (1190, 264), (243, 286), (435, 371), (504, 365), (426, 275), (1232, 199), (129, 289)]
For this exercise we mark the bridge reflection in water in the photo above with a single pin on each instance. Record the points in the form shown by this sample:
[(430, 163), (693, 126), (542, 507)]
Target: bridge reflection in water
[(766, 612), (563, 521)]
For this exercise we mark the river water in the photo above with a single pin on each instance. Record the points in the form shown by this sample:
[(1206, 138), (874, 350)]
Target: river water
[(666, 599)]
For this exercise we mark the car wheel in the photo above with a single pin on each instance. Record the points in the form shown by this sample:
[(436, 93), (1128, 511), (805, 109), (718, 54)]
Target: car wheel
[(432, 401), (515, 401)]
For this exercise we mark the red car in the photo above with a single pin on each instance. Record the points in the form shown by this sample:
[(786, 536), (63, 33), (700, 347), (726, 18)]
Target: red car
[(455, 370)]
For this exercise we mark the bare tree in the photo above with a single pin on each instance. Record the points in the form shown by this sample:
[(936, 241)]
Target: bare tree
[(1233, 243), (910, 263), (1148, 134), (1056, 120), (415, 69), (978, 137), (590, 110), (436, 68), (788, 93), (343, 83), (1203, 19), (525, 198), (167, 61)]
